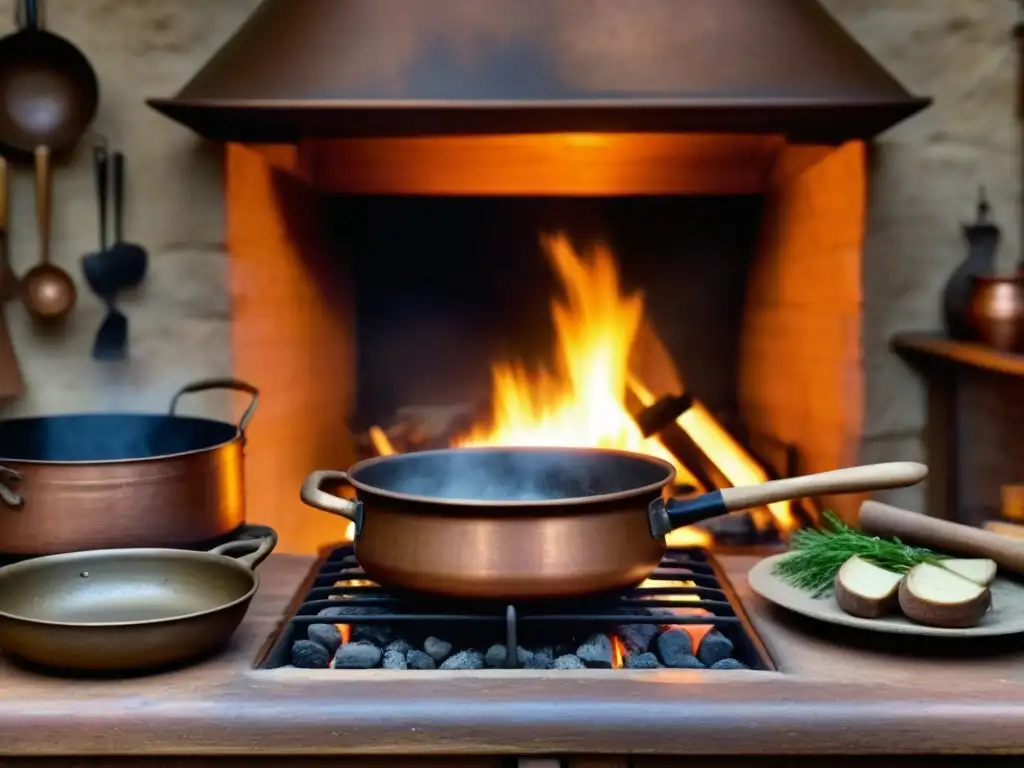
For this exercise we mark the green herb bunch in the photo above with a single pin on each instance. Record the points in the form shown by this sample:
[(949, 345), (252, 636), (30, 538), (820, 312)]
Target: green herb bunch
[(816, 555)]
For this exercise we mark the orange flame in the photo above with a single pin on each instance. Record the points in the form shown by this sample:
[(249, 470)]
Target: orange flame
[(381, 443), (618, 652), (581, 403), (695, 631)]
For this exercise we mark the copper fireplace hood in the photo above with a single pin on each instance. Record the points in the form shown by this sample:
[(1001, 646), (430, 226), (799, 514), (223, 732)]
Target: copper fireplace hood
[(320, 69)]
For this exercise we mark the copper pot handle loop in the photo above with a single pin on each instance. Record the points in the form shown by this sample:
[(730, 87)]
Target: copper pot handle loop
[(313, 495), (236, 384), (7, 496), (263, 547)]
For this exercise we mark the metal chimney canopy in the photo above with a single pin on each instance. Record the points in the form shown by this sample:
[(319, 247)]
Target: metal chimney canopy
[(344, 68)]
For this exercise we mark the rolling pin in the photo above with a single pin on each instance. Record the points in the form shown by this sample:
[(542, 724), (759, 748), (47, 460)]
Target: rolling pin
[(914, 528)]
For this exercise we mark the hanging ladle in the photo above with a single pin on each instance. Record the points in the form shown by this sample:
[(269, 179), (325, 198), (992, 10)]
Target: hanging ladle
[(47, 290)]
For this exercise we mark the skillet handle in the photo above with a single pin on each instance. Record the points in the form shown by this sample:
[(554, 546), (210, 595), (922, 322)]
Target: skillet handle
[(666, 516), (236, 384), (314, 496), (264, 546)]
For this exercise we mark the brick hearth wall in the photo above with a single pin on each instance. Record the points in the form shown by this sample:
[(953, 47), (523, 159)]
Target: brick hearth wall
[(801, 377)]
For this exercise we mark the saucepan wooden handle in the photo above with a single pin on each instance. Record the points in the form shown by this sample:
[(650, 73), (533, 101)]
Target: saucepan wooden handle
[(914, 528), (870, 477)]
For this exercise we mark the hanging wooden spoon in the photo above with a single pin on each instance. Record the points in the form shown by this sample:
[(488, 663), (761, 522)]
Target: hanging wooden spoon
[(47, 290)]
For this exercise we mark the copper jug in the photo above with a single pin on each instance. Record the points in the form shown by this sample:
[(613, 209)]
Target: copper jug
[(995, 312)]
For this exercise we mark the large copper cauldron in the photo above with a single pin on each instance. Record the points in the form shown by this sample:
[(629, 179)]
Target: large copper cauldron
[(111, 480), (526, 523)]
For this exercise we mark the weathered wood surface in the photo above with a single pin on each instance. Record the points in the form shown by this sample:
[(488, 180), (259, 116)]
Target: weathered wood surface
[(831, 697)]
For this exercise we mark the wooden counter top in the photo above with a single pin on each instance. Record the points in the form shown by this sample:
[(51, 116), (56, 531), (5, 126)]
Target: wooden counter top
[(829, 697)]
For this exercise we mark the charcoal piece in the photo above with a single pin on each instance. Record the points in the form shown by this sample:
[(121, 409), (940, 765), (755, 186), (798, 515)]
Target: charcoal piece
[(637, 637), (307, 654), (400, 645), (419, 660), (729, 664), (358, 655), (569, 661), (523, 655), (339, 611), (686, 661), (674, 644), (395, 660), (565, 649), (467, 659), (714, 647), (326, 634), (378, 634), (643, 661), (495, 656), (437, 648), (596, 652), (542, 659)]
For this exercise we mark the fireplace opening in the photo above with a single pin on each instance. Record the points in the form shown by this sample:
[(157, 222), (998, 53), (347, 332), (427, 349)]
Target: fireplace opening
[(381, 281), (610, 322)]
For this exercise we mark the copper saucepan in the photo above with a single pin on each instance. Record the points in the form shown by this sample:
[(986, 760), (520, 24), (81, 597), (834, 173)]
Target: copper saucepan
[(127, 609), (529, 523)]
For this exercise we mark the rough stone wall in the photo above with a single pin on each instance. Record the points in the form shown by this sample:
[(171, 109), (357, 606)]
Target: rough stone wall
[(923, 184), (179, 319)]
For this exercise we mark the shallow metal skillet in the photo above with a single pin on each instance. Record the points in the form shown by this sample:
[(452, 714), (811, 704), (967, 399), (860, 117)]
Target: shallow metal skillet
[(127, 609), (532, 523)]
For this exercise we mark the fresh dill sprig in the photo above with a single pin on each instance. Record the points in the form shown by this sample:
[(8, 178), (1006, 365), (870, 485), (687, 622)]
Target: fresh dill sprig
[(816, 555)]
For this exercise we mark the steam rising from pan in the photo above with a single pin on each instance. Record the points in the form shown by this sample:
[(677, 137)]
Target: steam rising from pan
[(510, 474)]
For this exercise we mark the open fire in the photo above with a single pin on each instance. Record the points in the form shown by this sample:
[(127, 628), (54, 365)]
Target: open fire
[(606, 356)]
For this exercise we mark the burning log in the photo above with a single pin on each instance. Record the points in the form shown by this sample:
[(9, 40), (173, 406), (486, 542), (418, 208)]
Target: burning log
[(710, 449)]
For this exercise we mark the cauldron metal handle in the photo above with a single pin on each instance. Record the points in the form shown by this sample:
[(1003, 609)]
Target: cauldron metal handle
[(666, 516), (263, 547), (313, 495), (7, 496), (226, 383)]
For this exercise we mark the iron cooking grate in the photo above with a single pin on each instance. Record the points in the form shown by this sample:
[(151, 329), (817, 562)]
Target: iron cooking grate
[(339, 583)]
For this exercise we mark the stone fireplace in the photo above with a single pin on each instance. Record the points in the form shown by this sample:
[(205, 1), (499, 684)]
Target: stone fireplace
[(386, 255)]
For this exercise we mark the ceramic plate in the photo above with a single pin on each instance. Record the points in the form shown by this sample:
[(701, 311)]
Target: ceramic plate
[(1006, 617)]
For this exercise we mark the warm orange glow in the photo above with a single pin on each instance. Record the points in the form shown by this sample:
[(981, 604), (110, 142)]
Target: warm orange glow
[(581, 402), (695, 631), (726, 454), (381, 443), (346, 632), (618, 652)]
